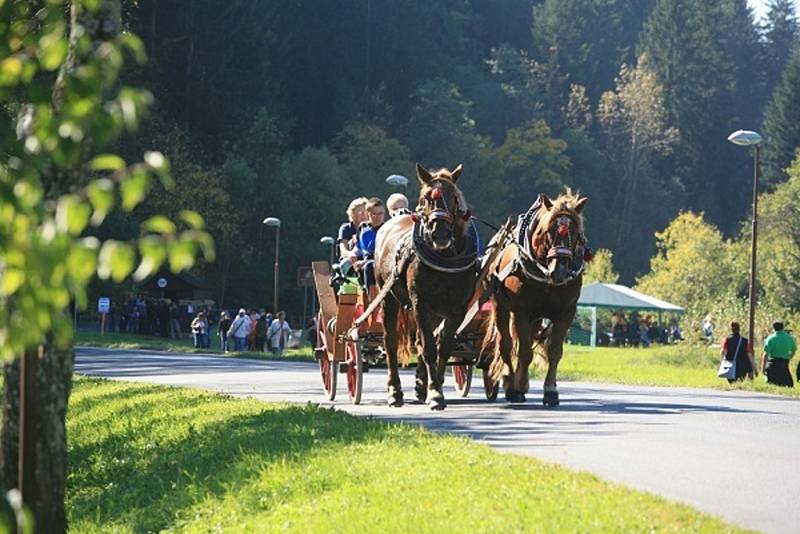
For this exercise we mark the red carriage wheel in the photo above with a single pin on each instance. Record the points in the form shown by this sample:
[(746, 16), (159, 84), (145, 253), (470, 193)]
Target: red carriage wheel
[(355, 370), (490, 387), (326, 368), (462, 373)]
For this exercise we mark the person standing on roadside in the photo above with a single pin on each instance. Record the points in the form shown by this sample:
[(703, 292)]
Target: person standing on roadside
[(779, 348), (224, 325), (736, 348), (239, 330), (278, 334), (200, 330)]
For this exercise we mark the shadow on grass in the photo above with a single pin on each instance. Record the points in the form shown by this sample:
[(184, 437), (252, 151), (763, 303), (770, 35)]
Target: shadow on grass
[(143, 472)]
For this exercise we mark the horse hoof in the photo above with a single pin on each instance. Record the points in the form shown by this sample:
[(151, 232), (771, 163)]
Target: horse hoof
[(514, 397), (437, 404), (421, 392), (395, 400), (550, 398)]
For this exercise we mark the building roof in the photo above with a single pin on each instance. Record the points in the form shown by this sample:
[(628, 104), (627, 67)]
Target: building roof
[(621, 297)]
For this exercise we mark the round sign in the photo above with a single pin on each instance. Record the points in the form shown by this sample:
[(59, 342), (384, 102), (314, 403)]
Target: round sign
[(162, 283)]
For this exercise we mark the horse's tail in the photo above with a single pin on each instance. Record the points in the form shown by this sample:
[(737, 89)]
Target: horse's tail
[(490, 349), (405, 333)]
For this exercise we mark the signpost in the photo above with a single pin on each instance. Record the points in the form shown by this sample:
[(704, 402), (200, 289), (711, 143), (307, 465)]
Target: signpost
[(103, 307)]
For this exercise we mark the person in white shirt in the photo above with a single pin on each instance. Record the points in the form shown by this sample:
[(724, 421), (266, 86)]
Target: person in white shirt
[(278, 334), (239, 330)]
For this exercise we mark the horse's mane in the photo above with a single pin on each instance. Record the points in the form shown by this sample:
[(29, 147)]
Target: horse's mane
[(564, 203)]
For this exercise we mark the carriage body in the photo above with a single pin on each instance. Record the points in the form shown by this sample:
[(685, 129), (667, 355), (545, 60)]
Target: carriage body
[(340, 351)]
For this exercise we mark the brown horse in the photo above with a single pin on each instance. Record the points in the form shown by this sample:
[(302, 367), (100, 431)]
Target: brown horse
[(538, 276), (428, 259)]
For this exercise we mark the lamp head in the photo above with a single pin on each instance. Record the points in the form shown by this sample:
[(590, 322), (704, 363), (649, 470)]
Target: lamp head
[(272, 221), (397, 180), (327, 240), (745, 138)]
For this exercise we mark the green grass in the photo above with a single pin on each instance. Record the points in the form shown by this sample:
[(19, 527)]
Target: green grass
[(147, 458), (675, 365), (116, 340)]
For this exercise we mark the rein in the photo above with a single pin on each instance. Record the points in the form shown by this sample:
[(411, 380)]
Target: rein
[(457, 263)]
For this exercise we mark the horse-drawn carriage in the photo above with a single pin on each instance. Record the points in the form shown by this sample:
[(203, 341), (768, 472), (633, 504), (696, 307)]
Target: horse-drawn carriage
[(425, 266), (340, 349)]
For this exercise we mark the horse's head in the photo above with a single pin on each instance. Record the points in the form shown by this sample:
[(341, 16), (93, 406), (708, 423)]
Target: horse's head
[(558, 239), (441, 206)]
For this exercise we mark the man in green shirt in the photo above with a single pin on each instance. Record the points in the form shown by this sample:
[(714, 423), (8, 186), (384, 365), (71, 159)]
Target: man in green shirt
[(778, 350)]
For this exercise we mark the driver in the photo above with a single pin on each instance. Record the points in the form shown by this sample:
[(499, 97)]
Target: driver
[(376, 214)]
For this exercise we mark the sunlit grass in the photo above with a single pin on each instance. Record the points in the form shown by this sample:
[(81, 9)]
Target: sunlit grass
[(674, 365), (117, 340), (146, 458)]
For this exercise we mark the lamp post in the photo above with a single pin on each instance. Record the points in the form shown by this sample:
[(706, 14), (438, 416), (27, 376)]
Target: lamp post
[(328, 240), (397, 180), (274, 221), (750, 138)]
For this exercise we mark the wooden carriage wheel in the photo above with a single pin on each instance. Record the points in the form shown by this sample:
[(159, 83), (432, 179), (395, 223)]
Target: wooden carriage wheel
[(462, 374), (355, 371), (327, 369)]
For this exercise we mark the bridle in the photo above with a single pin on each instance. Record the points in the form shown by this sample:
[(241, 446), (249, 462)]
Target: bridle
[(441, 212), (559, 244)]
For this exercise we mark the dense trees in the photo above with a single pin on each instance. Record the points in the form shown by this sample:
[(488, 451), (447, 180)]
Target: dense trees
[(782, 125), (528, 94)]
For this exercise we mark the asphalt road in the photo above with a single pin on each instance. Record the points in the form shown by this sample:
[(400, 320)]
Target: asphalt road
[(731, 454)]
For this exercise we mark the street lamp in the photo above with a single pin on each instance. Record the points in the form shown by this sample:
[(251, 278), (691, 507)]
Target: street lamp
[(397, 180), (274, 221), (750, 138), (328, 240)]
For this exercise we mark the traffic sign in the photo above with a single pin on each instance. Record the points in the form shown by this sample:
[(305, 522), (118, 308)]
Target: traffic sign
[(305, 277), (103, 305)]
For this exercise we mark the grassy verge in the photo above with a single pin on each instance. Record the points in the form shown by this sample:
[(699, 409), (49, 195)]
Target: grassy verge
[(674, 365), (146, 458), (132, 341)]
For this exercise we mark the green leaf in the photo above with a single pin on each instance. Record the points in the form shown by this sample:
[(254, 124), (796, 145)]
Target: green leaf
[(193, 219), (11, 281), (52, 51), (81, 263), (135, 45), (134, 189), (72, 214), (181, 255), (153, 252), (116, 260), (10, 70), (159, 224), (107, 162), (101, 195)]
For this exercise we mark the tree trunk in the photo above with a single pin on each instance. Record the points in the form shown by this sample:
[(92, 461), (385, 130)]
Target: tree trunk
[(48, 369), (45, 462)]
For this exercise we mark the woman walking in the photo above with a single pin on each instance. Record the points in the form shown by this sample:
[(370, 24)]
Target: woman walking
[(737, 349)]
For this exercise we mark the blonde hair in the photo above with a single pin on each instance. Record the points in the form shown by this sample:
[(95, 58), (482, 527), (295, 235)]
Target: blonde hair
[(359, 202)]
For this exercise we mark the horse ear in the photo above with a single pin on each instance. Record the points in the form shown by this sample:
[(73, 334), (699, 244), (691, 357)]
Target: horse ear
[(423, 174), (457, 172), (545, 201), (580, 204)]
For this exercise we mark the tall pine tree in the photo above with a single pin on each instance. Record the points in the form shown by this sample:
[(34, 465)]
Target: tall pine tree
[(782, 125), (703, 52), (780, 31)]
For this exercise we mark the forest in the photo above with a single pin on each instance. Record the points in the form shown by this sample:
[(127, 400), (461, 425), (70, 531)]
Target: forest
[(291, 109)]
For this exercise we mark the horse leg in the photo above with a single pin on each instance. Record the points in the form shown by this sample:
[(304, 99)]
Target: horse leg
[(391, 308), (446, 346), (524, 357), (555, 348), (429, 353), (421, 385)]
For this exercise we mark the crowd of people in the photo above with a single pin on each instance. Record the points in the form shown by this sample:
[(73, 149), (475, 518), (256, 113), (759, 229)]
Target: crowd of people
[(253, 331), (633, 332)]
